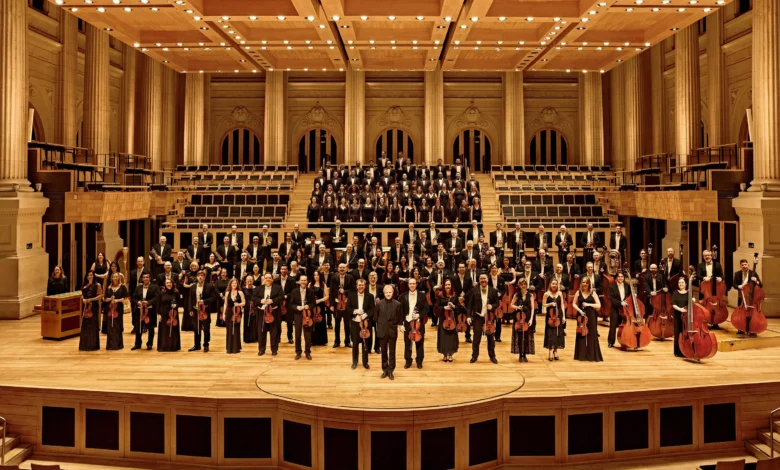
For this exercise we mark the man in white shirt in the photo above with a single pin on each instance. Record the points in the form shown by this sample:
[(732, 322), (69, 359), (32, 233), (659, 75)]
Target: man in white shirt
[(302, 299), (414, 307), (146, 295), (360, 307), (483, 299)]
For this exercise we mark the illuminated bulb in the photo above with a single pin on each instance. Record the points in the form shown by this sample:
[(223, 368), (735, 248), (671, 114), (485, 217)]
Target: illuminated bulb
[(136, 45), (448, 18), (585, 20), (681, 10), (336, 18), (364, 18), (592, 12), (101, 10), (420, 18), (502, 18), (391, 18), (530, 18), (310, 18), (474, 19), (253, 18), (647, 44), (226, 18), (463, 26), (280, 18), (557, 18), (128, 9), (629, 9)]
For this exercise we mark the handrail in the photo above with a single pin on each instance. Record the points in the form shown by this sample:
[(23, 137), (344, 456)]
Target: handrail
[(2, 443), (772, 432)]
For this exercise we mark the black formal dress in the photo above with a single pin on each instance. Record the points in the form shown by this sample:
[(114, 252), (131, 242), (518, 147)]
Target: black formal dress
[(447, 340), (114, 326), (57, 286), (523, 343), (680, 300), (319, 332), (89, 339), (555, 336), (233, 324), (250, 317), (169, 336), (586, 348)]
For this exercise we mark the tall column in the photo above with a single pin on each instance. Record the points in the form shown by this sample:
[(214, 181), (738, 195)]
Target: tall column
[(434, 115), (97, 113), (127, 102), (170, 91), (658, 105), (758, 208), (617, 83), (208, 145), (686, 89), (514, 119), (193, 119), (633, 116), (23, 261), (355, 117), (593, 120), (275, 116), (66, 85), (716, 80), (148, 135)]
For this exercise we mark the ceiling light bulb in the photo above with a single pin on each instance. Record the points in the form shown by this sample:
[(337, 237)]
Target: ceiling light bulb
[(364, 18), (557, 18), (280, 18), (226, 18), (420, 18), (474, 19), (585, 20), (681, 10), (391, 18), (253, 18), (463, 26), (530, 18), (310, 18), (101, 10), (502, 18), (336, 18), (448, 18), (592, 12)]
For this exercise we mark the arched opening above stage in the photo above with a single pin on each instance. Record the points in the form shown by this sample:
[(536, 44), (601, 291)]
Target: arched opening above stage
[(36, 133), (392, 141), (548, 147), (241, 146), (316, 146), (474, 146)]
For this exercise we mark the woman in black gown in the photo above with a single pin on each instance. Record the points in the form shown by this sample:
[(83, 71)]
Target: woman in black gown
[(395, 211), (459, 194), (113, 295), (113, 267), (680, 306), (58, 283), (221, 286), (250, 312), (342, 211), (587, 304), (554, 336), (367, 212), (424, 212), (169, 335), (313, 212), (523, 342), (464, 212), (233, 298), (431, 195), (476, 210), (328, 212), (452, 212), (410, 211), (447, 339), (380, 213), (437, 212), (91, 292), (100, 268), (354, 210), (319, 332)]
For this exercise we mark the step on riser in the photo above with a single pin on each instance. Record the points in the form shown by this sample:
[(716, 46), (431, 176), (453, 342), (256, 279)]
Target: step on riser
[(764, 437), (11, 442), (757, 449), (19, 455)]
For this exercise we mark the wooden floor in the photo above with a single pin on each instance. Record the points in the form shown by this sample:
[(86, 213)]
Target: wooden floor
[(28, 360)]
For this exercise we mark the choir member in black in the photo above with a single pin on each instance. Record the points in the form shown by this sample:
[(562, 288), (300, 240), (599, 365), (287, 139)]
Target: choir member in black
[(476, 210), (58, 283), (414, 308), (380, 213), (741, 280), (234, 309), (201, 293), (146, 294), (586, 303), (680, 306), (496, 282), (618, 292), (319, 334), (452, 211), (112, 296), (313, 212), (437, 211), (396, 211), (707, 270), (387, 316), (654, 284), (302, 299), (464, 212), (554, 336), (671, 266), (169, 338), (287, 283), (360, 307), (328, 212), (354, 210), (368, 211), (264, 295), (343, 210), (523, 342), (250, 311), (447, 339), (91, 292), (483, 299), (410, 211), (565, 243), (618, 242), (135, 279), (340, 286), (221, 284), (227, 255)]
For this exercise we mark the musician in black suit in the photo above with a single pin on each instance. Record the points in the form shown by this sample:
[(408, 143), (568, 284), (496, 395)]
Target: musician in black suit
[(297, 236), (473, 233), (541, 239), (619, 242), (263, 295), (136, 278), (338, 236), (243, 267), (483, 299), (388, 314), (360, 307), (496, 282), (470, 253), (654, 284), (195, 252), (543, 263), (571, 268), (414, 308), (302, 298), (349, 257), (146, 293), (287, 283), (341, 284), (670, 266), (516, 242), (590, 241), (266, 242), (202, 293), (499, 239), (453, 242), (709, 268), (206, 240), (236, 239), (565, 243), (462, 285), (741, 279), (397, 251), (163, 254), (619, 292), (595, 279), (410, 235), (227, 253), (361, 272), (167, 273), (435, 235), (288, 248)]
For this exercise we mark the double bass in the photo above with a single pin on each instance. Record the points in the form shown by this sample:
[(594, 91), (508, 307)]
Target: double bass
[(660, 322), (696, 341), (633, 333), (714, 293), (748, 317)]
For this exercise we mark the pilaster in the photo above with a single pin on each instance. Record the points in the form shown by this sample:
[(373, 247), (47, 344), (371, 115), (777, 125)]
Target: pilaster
[(514, 119), (148, 136), (633, 116), (716, 80), (617, 82), (275, 115), (169, 114), (355, 117), (593, 122), (434, 115), (97, 113), (127, 102), (66, 85), (687, 111)]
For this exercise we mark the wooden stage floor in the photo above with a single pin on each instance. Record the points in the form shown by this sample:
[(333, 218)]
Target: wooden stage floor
[(327, 380)]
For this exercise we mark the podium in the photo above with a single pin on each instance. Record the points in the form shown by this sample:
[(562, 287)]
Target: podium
[(61, 315)]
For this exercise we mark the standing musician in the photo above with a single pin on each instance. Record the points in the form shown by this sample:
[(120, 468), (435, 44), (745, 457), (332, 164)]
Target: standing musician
[(297, 236), (589, 240), (255, 252), (483, 299), (642, 264), (360, 272), (496, 281), (226, 255), (541, 239), (543, 264), (410, 236), (618, 292), (594, 277), (243, 267), (474, 233), (442, 256), (135, 279), (268, 294), (288, 248), (266, 240), (654, 284), (491, 260), (202, 293), (470, 255), (287, 283), (349, 257), (236, 239), (341, 284), (565, 243), (708, 269), (274, 266), (618, 242), (146, 294), (388, 315), (498, 239), (741, 279), (599, 266), (302, 299), (435, 236), (360, 306), (206, 240), (516, 243), (166, 273), (338, 236), (563, 279), (454, 244), (414, 307), (671, 266), (571, 269), (163, 254), (180, 264), (463, 286), (195, 251)]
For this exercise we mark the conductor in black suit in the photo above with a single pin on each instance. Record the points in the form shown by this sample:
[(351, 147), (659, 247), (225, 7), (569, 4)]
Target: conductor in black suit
[(387, 315), (483, 299), (360, 306), (414, 306)]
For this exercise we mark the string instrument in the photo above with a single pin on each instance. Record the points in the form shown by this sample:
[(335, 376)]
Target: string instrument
[(414, 329), (365, 330), (582, 324), (236, 318), (462, 326), (490, 322), (554, 320), (342, 302), (268, 312), (173, 319), (449, 317), (144, 318), (748, 317), (633, 333), (575, 287), (112, 313), (696, 341), (714, 293), (521, 320), (88, 310), (660, 322), (203, 314), (607, 280), (252, 309), (307, 319), (506, 300)]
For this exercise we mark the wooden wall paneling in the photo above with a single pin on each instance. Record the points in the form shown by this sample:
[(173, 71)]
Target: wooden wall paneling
[(441, 422), (315, 448), (191, 411), (486, 416), (651, 443), (738, 441), (244, 412), (365, 440), (352, 425), (672, 403), (168, 429), (604, 410), (81, 438), (79, 429), (23, 414), (519, 409)]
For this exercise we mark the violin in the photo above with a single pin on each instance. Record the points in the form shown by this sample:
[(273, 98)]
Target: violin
[(317, 314), (748, 317), (203, 313), (173, 319), (342, 302), (237, 310), (521, 320), (88, 310), (414, 330), (449, 317), (714, 293), (582, 320), (633, 333), (554, 320), (144, 318), (268, 315), (575, 287), (696, 341), (112, 313), (307, 320), (365, 329), (490, 322)]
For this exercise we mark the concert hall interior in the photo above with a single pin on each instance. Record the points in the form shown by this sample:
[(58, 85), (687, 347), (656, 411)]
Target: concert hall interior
[(363, 234)]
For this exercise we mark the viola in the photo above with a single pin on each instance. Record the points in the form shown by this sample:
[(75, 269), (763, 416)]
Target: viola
[(554, 320), (696, 341), (342, 302), (414, 330), (365, 329), (203, 313), (521, 320), (307, 320), (112, 313), (268, 313), (283, 308), (317, 314), (714, 293), (449, 317), (633, 333), (173, 319), (582, 325), (88, 310), (748, 317), (462, 326), (144, 318)]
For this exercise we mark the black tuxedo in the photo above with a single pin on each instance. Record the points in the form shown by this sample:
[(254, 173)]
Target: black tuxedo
[(152, 294), (210, 299), (298, 300), (562, 252), (342, 237), (465, 255), (538, 240), (571, 271), (354, 326), (621, 246), (458, 246), (595, 240), (617, 306), (161, 279), (284, 249), (388, 315), (335, 285), (396, 253), (238, 245), (717, 270), (663, 266), (178, 267), (276, 295), (434, 240), (407, 238), (350, 259), (134, 281), (739, 279), (206, 240), (406, 309), (596, 284), (256, 253), (537, 265), (356, 274), (228, 254), (247, 270), (478, 321), (564, 285), (469, 234), (298, 238), (199, 256)]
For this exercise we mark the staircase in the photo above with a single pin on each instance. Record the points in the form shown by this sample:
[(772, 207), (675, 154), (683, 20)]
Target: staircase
[(491, 211), (760, 447), (13, 451), (300, 198)]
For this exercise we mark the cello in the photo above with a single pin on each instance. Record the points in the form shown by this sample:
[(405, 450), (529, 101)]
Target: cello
[(607, 280), (633, 333), (748, 317), (696, 341), (714, 293)]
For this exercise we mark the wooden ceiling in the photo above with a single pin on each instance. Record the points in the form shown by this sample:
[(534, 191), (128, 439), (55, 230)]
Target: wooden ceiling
[(327, 35)]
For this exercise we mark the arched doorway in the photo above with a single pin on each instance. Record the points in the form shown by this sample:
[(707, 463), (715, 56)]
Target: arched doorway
[(393, 141), (548, 147), (36, 133), (474, 148), (744, 131), (315, 146), (241, 146)]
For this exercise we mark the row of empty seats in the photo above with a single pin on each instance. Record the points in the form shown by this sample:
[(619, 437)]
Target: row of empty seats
[(517, 212), (239, 199), (235, 168), (270, 212), (560, 188), (223, 223), (547, 199), (549, 177), (549, 168), (248, 187), (229, 178)]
